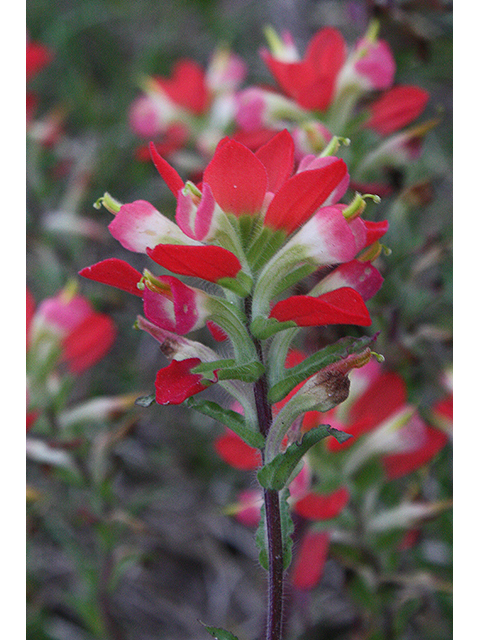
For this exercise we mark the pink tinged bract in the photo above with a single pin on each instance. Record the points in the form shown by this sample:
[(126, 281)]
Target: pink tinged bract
[(237, 178), (377, 64), (176, 383), (63, 314), (310, 560), (397, 108), (361, 276), (314, 162), (138, 226), (177, 307), (327, 237), (145, 119), (116, 273), (342, 306), (302, 194), (172, 179), (277, 156), (209, 262), (196, 220)]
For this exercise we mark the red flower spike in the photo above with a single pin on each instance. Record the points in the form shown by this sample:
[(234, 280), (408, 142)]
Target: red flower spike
[(37, 57), (398, 465), (172, 179), (237, 453), (397, 108), (208, 262), (308, 566), (237, 178), (88, 342), (116, 273), (315, 506), (277, 156), (176, 383), (300, 196), (341, 306)]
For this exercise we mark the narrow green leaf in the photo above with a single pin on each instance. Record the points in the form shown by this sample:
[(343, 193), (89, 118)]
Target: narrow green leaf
[(145, 401), (230, 419), (250, 372), (241, 284), (263, 328), (219, 634), (340, 436), (313, 364), (276, 474)]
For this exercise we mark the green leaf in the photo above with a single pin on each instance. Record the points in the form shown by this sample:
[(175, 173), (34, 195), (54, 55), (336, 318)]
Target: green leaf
[(219, 634), (230, 419), (263, 328), (261, 540), (313, 364), (250, 372), (277, 473), (241, 285), (145, 401)]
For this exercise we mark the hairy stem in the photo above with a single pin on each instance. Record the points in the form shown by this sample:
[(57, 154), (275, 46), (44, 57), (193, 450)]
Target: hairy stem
[(273, 522)]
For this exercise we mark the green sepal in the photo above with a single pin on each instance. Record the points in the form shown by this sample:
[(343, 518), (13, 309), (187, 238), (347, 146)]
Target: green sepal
[(264, 246), (218, 633), (230, 419), (263, 328), (277, 473), (314, 363), (208, 367), (241, 284), (145, 401)]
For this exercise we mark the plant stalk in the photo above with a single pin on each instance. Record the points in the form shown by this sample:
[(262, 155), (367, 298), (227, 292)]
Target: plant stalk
[(273, 523)]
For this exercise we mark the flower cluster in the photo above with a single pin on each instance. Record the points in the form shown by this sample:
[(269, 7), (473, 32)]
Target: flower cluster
[(254, 226), (331, 90), (193, 108), (63, 332)]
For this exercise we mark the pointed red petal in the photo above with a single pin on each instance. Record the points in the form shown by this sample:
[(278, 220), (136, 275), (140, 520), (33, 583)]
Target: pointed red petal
[(327, 51), (277, 157), (217, 334), (316, 506), (298, 199), (308, 566), (176, 383), (397, 108), (341, 306), (208, 262), (169, 174), (116, 273), (237, 178), (237, 453), (89, 342), (399, 464), (187, 86), (375, 230)]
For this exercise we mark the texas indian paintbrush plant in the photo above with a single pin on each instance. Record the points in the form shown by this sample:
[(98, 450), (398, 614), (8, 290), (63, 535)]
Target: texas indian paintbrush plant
[(255, 226)]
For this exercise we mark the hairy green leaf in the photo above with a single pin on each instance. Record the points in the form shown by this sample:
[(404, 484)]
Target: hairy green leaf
[(229, 418)]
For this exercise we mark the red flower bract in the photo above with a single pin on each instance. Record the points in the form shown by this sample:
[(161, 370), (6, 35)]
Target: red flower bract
[(208, 262), (237, 178), (341, 306), (116, 273), (176, 383)]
